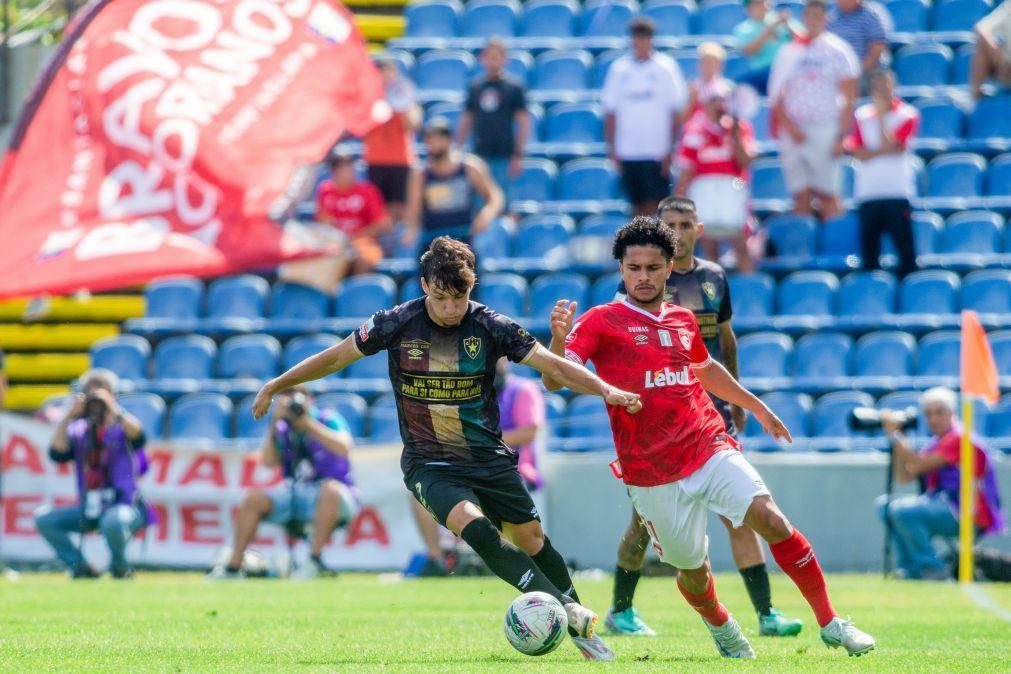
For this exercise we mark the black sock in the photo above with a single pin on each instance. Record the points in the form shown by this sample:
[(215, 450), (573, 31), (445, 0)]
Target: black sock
[(553, 565), (624, 588), (756, 581), (233, 569), (506, 560)]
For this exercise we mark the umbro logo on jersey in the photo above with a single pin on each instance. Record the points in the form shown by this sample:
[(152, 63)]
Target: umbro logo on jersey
[(667, 377), (641, 339), (415, 348)]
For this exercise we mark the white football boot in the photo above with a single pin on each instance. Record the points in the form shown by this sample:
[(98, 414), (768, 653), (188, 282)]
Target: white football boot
[(583, 621), (844, 633), (730, 640)]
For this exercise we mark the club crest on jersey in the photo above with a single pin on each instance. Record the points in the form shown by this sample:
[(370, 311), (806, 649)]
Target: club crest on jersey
[(709, 288), (472, 346), (667, 377), (685, 337)]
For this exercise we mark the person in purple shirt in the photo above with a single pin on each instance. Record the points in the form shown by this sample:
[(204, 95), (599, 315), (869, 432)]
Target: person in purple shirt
[(311, 446), (102, 440)]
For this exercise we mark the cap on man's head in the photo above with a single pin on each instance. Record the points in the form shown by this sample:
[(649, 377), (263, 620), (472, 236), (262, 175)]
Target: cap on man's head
[(339, 157), (440, 125), (641, 26)]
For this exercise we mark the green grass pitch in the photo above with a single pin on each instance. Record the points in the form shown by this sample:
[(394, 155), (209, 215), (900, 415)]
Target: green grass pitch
[(167, 622)]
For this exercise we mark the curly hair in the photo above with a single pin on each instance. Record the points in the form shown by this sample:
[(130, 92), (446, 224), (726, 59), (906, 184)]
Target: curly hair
[(449, 264), (644, 231)]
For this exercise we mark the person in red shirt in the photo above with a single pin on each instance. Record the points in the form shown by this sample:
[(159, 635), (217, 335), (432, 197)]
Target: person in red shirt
[(677, 459), (357, 209)]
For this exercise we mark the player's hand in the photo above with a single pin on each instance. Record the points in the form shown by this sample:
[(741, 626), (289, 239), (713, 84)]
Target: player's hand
[(617, 397), (773, 426), (263, 399), (739, 416), (562, 316)]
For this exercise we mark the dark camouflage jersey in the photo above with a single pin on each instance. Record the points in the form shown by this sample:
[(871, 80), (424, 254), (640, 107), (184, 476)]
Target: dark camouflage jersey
[(444, 381)]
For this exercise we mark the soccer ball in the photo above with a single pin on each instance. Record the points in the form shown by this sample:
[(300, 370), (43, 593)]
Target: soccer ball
[(535, 623)]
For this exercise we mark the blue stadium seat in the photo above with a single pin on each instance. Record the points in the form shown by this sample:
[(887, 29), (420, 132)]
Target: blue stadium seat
[(432, 18), (548, 289), (838, 239), (541, 244), (602, 64), (927, 228), (588, 180), (202, 417), (989, 128), (149, 409), (763, 360), (752, 296), (673, 18), (953, 180), (607, 18), (719, 17), (909, 16), (126, 355), (606, 225), (989, 292), (361, 296), (448, 110), (487, 18), (958, 15), (295, 308), (411, 289), (586, 425), (941, 125), (793, 409), (768, 187), (977, 232), (304, 346), (864, 299), (688, 62), (549, 18), (962, 65), (504, 293), (830, 420), (173, 306), (554, 413), (605, 288), (351, 406), (444, 70), (574, 123), (883, 360), (924, 65), (820, 361), (246, 427), (998, 422), (384, 425), (182, 364), (928, 299), (403, 59), (561, 71), (494, 242), (536, 182), (937, 362), (998, 179), (249, 356), (366, 376), (1000, 344), (805, 300), (235, 304)]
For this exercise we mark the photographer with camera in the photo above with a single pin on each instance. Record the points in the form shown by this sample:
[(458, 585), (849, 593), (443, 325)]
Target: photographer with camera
[(915, 519), (101, 439), (312, 448)]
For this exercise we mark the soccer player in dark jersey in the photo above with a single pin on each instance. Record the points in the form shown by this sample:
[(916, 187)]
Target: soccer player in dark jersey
[(678, 462), (701, 286), (442, 351)]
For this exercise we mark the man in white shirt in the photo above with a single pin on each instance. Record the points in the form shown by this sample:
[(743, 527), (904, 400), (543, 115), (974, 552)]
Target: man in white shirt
[(885, 175), (643, 94), (813, 85), (992, 57)]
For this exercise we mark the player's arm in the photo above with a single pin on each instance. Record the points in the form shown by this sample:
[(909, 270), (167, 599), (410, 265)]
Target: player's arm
[(728, 347), (269, 456), (326, 362), (578, 379), (716, 380), (562, 316)]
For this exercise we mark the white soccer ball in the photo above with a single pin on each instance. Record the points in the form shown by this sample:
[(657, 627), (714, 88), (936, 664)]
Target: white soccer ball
[(535, 623)]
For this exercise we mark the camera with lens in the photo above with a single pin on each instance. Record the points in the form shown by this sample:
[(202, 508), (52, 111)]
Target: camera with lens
[(298, 406), (869, 419), (94, 408)]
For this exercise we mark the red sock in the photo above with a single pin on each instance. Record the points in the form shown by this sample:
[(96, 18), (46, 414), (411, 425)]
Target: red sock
[(796, 557), (706, 604)]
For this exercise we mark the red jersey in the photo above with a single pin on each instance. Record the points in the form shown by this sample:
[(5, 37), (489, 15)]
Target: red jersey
[(655, 356), (350, 210), (708, 149)]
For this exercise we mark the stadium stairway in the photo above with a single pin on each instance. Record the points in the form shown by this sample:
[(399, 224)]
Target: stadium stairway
[(47, 341)]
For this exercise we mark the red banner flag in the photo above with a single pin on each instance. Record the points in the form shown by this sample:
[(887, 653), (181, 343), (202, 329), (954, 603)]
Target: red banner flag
[(163, 134)]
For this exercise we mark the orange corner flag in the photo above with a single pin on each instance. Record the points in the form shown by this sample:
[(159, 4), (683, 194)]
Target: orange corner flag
[(979, 373)]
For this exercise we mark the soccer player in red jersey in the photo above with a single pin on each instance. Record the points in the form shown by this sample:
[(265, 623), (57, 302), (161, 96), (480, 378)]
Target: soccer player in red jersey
[(677, 460)]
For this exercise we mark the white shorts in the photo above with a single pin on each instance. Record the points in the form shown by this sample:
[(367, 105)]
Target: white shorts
[(676, 514), (811, 164), (722, 204)]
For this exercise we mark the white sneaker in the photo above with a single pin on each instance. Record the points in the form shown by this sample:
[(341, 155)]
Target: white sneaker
[(220, 572), (730, 640), (306, 571), (844, 633), (594, 648), (581, 619)]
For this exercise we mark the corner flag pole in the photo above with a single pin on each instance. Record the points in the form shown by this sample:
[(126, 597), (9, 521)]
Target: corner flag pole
[(967, 496)]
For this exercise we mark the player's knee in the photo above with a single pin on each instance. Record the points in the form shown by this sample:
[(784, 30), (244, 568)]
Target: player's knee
[(529, 539), (256, 500), (330, 491)]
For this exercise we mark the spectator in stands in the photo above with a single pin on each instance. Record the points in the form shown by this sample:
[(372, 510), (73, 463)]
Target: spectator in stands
[(760, 38), (934, 512), (100, 438), (885, 174), (496, 111), (712, 60), (442, 195), (863, 30), (522, 416), (813, 85), (992, 57), (389, 148), (644, 93), (351, 216), (311, 446), (716, 150)]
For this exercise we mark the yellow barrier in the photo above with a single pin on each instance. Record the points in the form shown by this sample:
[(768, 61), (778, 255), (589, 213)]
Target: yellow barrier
[(39, 367), (46, 337), (30, 397), (116, 308), (379, 28)]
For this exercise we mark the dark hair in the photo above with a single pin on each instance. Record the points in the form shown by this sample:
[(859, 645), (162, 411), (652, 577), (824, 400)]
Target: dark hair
[(642, 25), (449, 264), (644, 231), (821, 4), (679, 204), (338, 158), (881, 73)]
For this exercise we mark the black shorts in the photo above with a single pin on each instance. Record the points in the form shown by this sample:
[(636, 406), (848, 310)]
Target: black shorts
[(644, 181), (500, 494), (391, 181)]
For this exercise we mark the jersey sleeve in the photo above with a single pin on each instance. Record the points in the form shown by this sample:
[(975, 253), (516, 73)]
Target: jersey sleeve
[(726, 311), (375, 334), (584, 339), (698, 353), (512, 339), (472, 99)]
